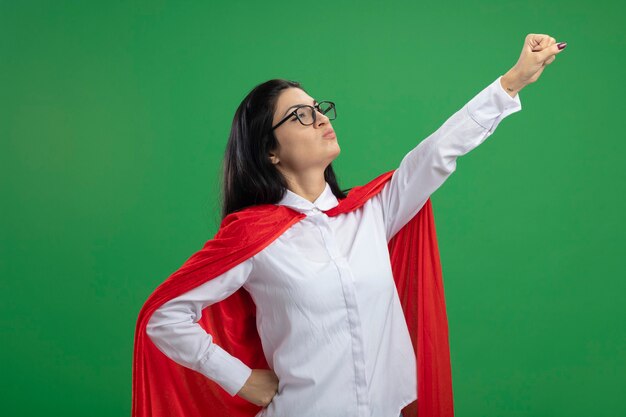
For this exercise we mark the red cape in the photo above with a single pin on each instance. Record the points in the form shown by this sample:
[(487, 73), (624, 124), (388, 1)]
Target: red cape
[(163, 388)]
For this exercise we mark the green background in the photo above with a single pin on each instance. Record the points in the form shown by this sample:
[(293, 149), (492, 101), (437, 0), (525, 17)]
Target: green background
[(114, 117)]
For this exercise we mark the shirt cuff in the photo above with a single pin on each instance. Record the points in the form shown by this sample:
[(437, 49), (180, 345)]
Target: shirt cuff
[(492, 105), (226, 370)]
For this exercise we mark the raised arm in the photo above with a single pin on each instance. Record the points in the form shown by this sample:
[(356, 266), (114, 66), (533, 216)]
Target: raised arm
[(174, 329), (433, 160), (428, 165)]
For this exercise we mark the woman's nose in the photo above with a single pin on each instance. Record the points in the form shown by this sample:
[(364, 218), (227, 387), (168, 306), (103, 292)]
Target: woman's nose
[(320, 118)]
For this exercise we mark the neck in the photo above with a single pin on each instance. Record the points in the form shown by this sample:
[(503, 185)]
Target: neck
[(308, 185)]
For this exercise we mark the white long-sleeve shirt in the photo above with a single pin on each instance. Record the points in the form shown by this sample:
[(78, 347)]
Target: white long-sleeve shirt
[(328, 312)]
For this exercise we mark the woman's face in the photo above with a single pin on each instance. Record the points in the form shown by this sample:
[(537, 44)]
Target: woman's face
[(302, 148)]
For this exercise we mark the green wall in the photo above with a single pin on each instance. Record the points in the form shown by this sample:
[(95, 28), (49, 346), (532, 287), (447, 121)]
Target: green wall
[(113, 121)]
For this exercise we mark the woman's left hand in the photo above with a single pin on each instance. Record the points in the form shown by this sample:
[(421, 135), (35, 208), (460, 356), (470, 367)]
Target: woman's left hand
[(539, 51)]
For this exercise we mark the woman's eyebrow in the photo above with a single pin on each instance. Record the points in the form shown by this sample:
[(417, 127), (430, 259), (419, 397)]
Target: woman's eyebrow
[(296, 105)]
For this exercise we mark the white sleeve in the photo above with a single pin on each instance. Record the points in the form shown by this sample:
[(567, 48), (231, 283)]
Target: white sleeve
[(427, 166), (175, 331)]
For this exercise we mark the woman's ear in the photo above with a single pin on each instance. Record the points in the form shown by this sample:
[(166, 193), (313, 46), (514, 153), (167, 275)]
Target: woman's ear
[(273, 158)]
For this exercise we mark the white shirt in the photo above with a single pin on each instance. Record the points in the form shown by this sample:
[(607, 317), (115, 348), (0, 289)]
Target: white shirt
[(328, 313)]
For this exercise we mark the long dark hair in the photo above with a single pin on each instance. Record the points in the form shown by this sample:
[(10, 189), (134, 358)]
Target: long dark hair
[(249, 177)]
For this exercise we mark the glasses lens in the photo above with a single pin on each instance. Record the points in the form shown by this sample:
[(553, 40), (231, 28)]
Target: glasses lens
[(328, 108), (305, 114)]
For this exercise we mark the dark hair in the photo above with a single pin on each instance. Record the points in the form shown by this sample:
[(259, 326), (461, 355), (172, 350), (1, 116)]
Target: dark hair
[(249, 177)]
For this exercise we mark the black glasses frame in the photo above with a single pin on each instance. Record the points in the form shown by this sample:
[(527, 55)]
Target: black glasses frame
[(316, 107)]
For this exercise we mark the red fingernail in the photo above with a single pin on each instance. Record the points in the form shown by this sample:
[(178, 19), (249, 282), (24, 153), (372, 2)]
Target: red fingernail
[(561, 45)]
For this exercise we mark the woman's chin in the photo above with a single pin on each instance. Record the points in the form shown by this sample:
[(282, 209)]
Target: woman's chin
[(336, 151)]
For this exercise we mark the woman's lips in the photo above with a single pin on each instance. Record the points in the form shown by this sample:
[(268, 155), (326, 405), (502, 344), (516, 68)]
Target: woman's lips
[(329, 135)]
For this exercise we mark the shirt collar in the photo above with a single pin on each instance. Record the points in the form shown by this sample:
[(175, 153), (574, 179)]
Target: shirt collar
[(325, 201)]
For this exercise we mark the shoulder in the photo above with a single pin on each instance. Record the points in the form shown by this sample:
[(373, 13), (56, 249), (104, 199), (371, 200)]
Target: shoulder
[(260, 219)]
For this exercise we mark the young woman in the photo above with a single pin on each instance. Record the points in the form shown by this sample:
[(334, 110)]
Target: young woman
[(330, 320)]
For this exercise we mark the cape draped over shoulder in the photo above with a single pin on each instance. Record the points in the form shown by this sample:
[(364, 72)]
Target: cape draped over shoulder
[(163, 388)]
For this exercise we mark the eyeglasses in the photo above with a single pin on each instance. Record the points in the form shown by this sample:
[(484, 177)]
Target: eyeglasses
[(306, 114)]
